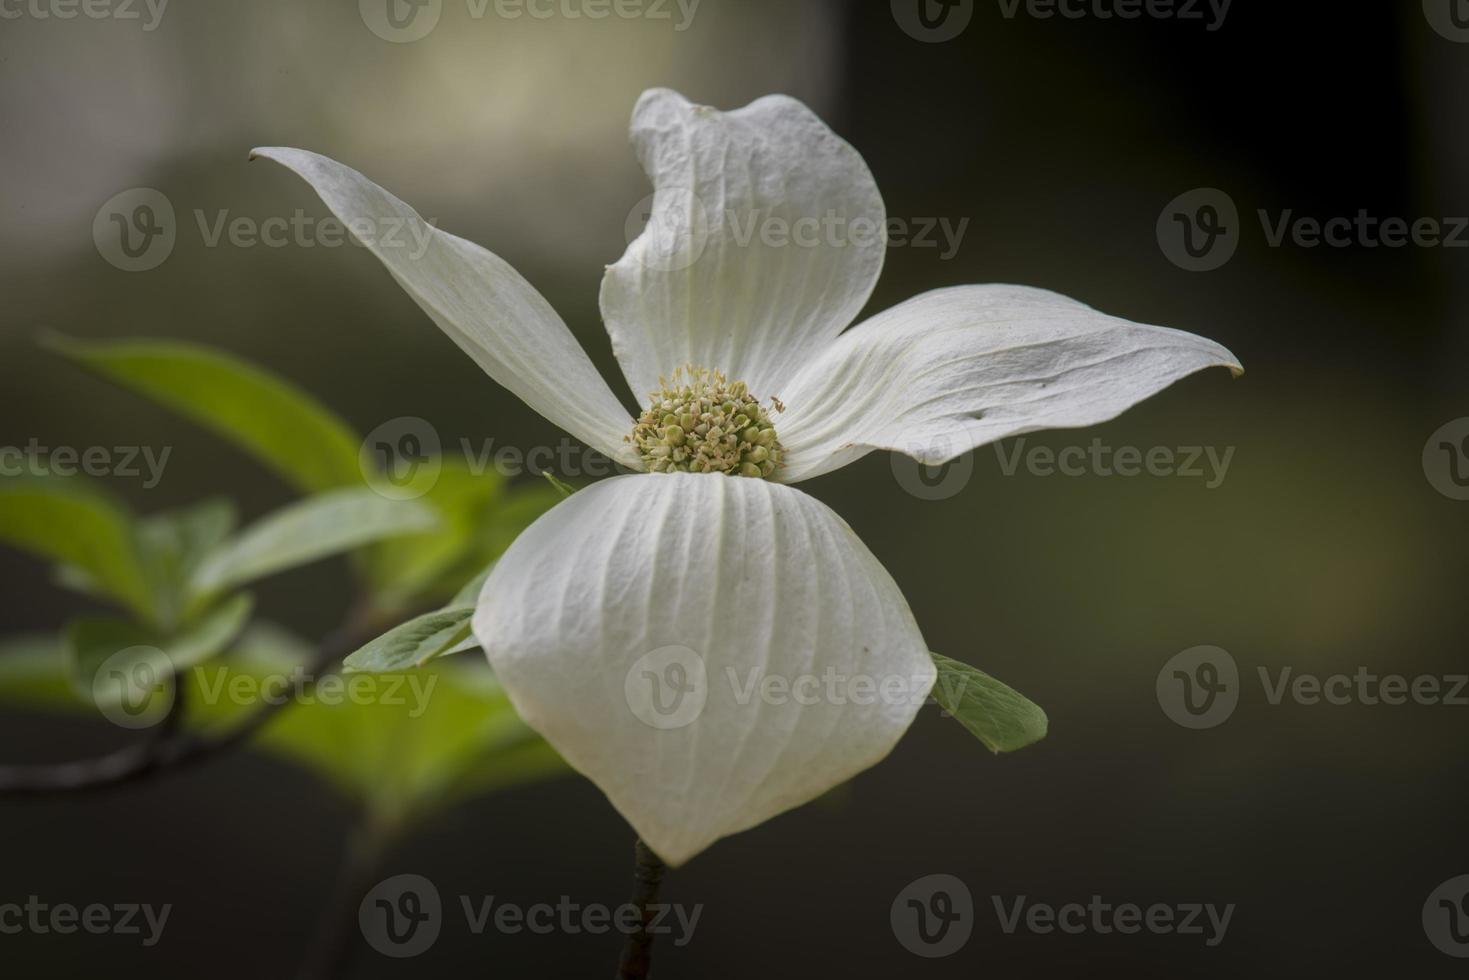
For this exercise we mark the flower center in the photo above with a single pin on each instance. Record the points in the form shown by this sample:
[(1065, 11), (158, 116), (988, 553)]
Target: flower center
[(700, 422)]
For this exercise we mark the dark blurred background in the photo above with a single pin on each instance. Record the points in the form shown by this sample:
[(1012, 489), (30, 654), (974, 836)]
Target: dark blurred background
[(1326, 548)]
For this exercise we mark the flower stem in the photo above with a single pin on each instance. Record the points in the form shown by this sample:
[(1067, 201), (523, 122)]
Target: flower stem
[(331, 951), (170, 747), (637, 952)]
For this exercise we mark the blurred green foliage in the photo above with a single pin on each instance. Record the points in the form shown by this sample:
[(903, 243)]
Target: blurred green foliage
[(399, 744)]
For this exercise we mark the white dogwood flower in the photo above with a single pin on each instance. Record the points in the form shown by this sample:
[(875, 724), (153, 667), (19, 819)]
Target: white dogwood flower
[(708, 644)]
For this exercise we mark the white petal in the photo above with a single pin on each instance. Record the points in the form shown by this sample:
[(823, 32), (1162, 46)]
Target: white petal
[(598, 606), (475, 297), (731, 273), (957, 368)]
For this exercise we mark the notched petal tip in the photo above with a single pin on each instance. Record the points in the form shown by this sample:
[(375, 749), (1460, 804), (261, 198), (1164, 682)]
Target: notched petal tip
[(722, 179), (271, 153)]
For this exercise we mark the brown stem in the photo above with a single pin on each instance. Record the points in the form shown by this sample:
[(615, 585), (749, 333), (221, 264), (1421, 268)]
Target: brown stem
[(170, 748), (637, 952), (331, 950)]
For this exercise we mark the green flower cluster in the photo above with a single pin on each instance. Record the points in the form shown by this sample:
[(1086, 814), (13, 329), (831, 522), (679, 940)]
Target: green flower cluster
[(700, 422)]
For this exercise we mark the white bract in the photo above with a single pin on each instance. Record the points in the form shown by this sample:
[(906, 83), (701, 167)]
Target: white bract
[(708, 644)]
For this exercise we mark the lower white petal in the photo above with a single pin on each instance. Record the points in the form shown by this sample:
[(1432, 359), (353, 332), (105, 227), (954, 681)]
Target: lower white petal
[(709, 650), (475, 297), (957, 368)]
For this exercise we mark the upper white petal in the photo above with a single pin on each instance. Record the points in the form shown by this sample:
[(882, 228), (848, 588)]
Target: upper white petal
[(475, 297), (955, 368), (764, 241), (638, 582)]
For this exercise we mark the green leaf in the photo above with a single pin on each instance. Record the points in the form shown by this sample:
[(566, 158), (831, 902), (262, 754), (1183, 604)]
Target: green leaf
[(408, 572), (481, 520), (184, 538), (999, 716), (302, 440), (404, 746), (174, 544), (269, 643), (33, 672), (68, 522), (412, 643), (212, 633), (308, 530), (93, 640), (562, 487)]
